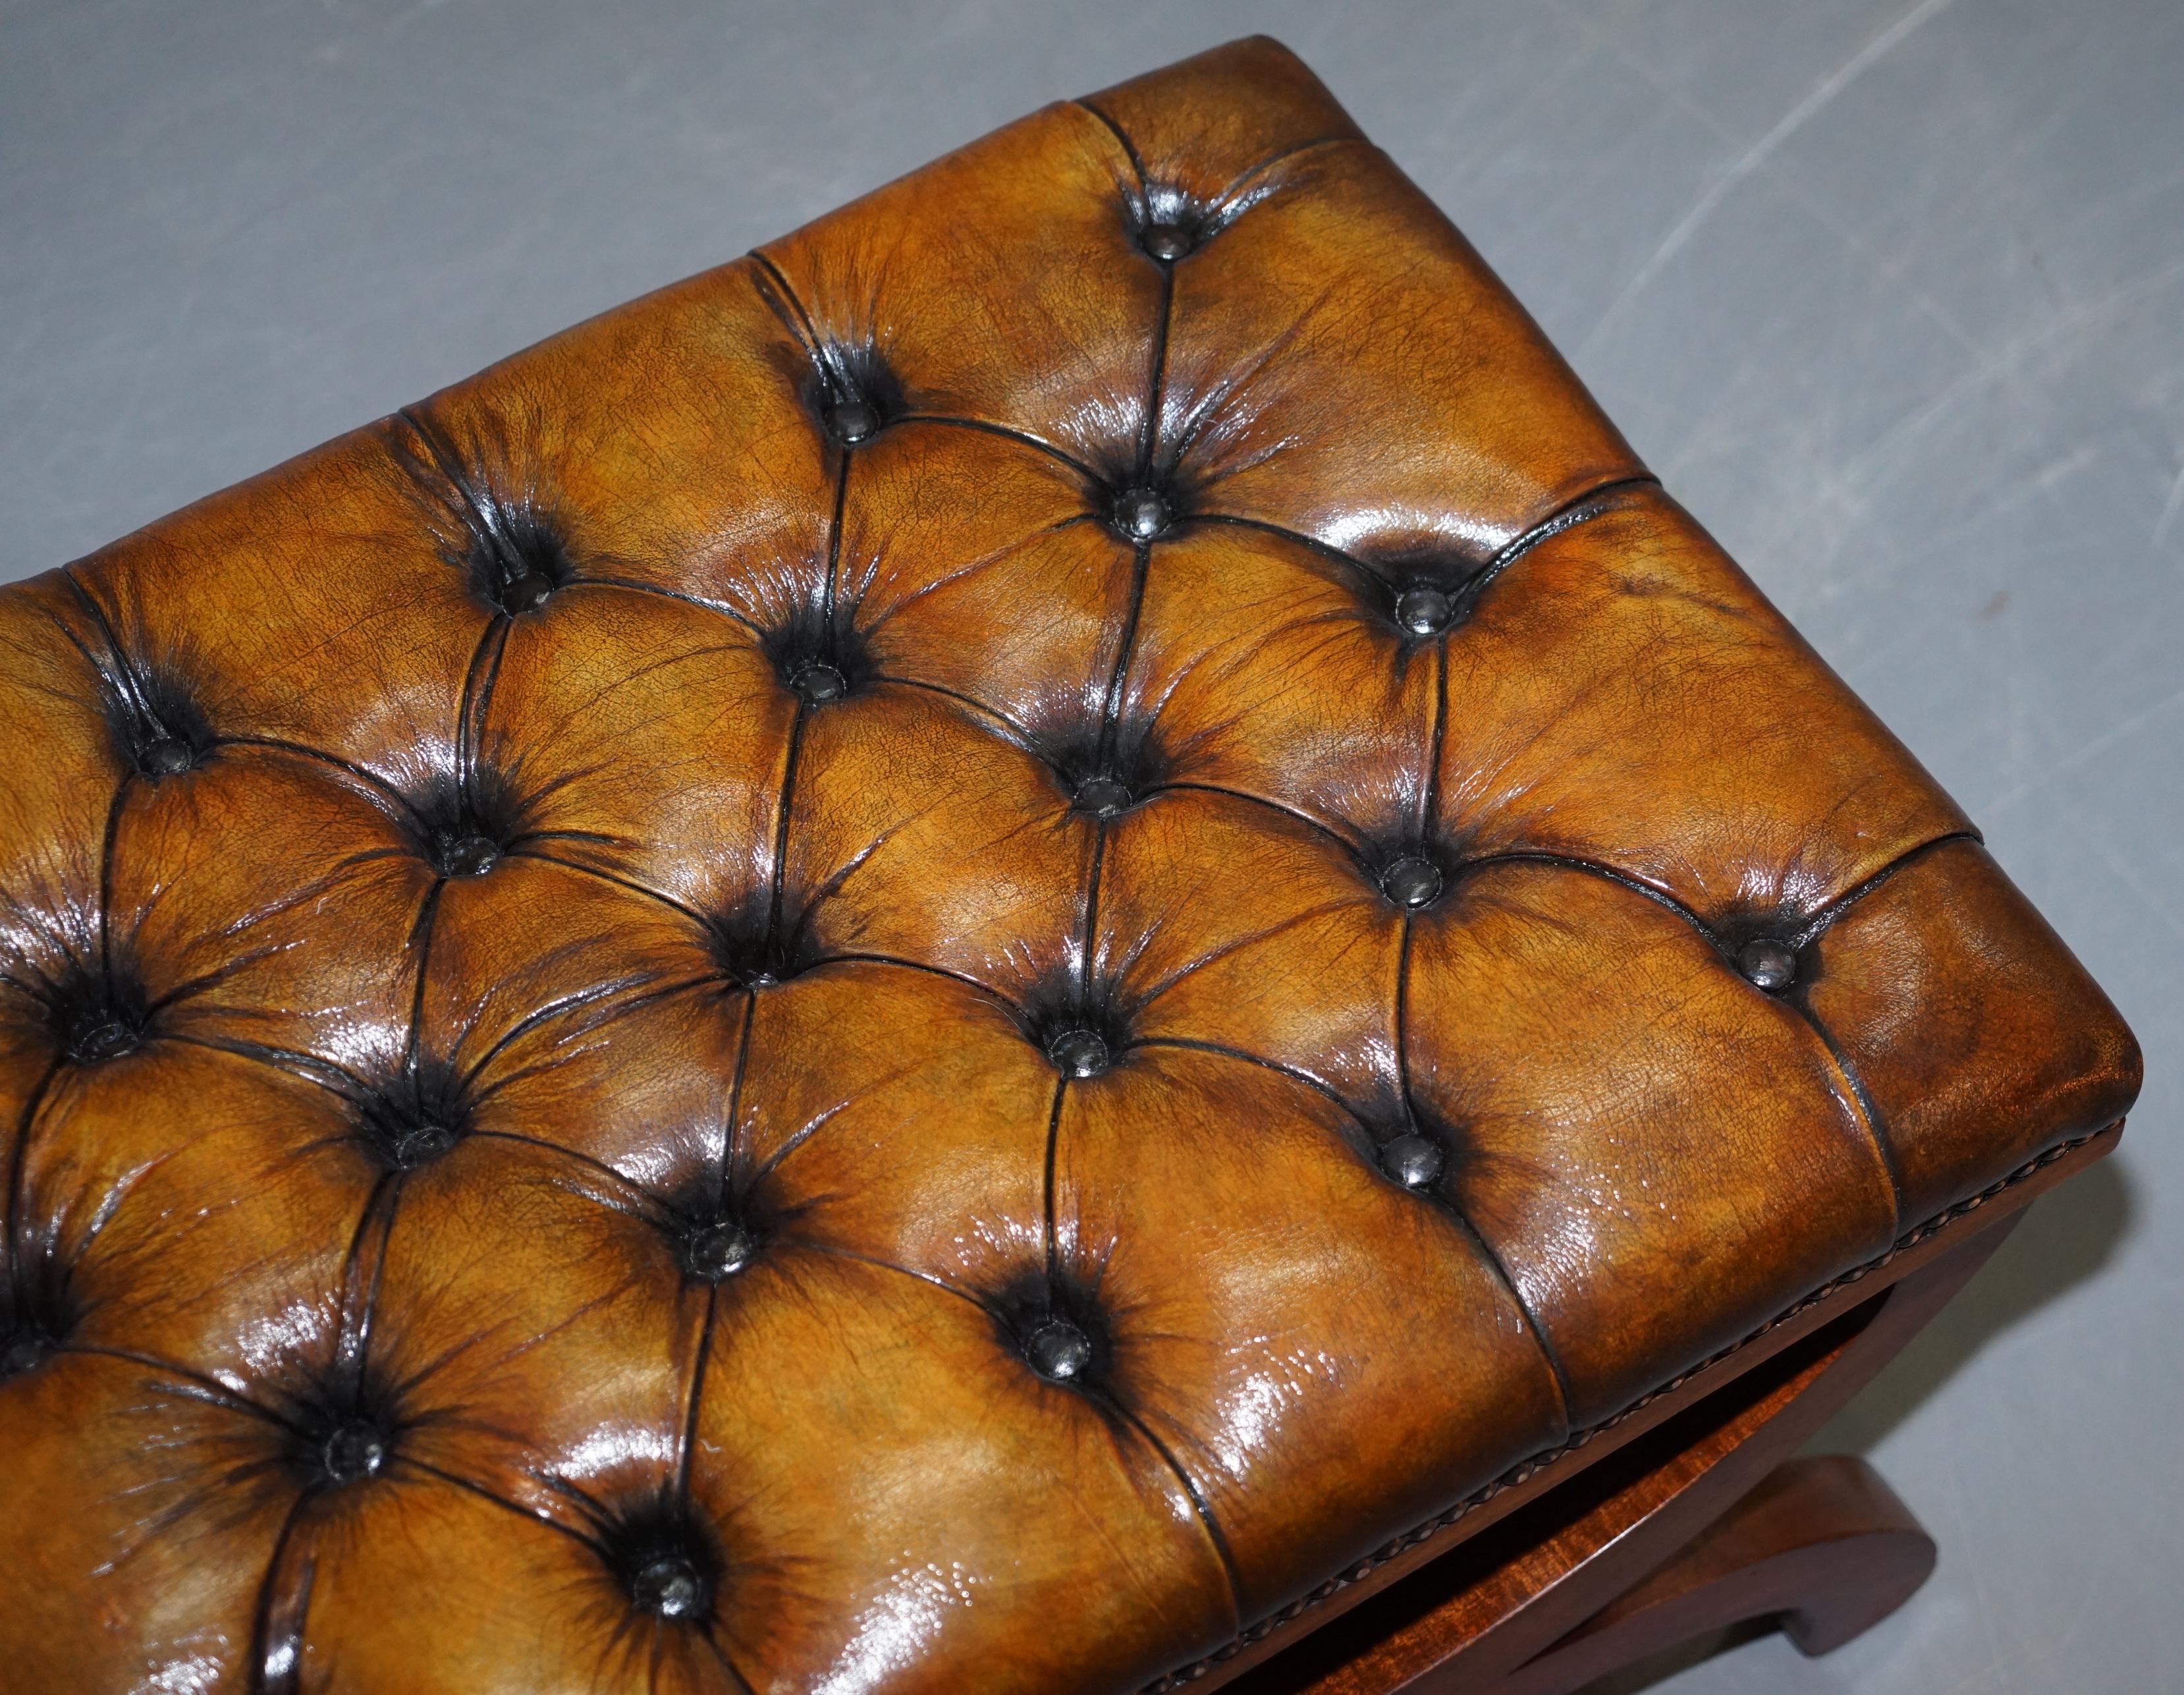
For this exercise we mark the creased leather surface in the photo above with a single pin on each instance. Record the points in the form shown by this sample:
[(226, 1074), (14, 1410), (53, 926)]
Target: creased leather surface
[(939, 962)]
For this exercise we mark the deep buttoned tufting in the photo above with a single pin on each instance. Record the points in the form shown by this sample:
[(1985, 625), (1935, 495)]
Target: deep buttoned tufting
[(941, 963)]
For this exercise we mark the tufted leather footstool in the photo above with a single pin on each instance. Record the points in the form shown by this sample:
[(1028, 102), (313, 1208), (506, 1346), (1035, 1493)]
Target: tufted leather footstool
[(1005, 950)]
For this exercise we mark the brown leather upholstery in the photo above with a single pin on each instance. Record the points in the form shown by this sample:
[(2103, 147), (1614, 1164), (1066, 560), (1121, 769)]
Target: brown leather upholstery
[(938, 964)]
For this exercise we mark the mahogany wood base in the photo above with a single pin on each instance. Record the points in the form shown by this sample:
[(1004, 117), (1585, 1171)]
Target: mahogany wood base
[(1822, 1548), (1673, 1524)]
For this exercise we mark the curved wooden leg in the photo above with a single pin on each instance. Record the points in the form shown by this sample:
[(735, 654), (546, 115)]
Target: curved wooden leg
[(1823, 1546)]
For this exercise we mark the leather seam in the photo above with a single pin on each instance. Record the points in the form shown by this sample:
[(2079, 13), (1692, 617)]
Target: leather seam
[(1122, 135), (1579, 508)]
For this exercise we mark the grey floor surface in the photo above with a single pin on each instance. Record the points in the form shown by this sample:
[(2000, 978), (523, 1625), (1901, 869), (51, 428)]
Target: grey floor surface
[(1891, 295)]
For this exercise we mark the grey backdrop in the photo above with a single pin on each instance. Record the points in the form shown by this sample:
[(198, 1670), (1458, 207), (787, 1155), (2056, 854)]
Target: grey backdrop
[(1893, 295)]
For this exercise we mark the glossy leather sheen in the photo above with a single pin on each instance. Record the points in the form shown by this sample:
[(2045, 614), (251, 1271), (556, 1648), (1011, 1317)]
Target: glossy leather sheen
[(938, 964)]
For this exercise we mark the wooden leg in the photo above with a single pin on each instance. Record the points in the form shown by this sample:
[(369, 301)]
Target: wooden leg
[(1823, 1547)]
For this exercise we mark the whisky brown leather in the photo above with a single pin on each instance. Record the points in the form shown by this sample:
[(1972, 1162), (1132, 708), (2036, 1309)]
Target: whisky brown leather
[(937, 963)]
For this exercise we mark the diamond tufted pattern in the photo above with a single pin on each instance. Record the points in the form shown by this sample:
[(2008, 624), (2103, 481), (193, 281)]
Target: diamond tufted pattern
[(942, 962)]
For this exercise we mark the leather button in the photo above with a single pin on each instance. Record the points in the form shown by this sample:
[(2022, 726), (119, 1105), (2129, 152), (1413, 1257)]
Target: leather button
[(820, 683), (169, 756), (1141, 514), (470, 856), (353, 1454), (1424, 610), (21, 1354), (1058, 1350), (1079, 1053), (719, 1251), (1412, 882), (851, 421), (1103, 798), (1767, 963), (528, 593), (102, 1039), (420, 1144), (1166, 242), (670, 1586), (1412, 1160)]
